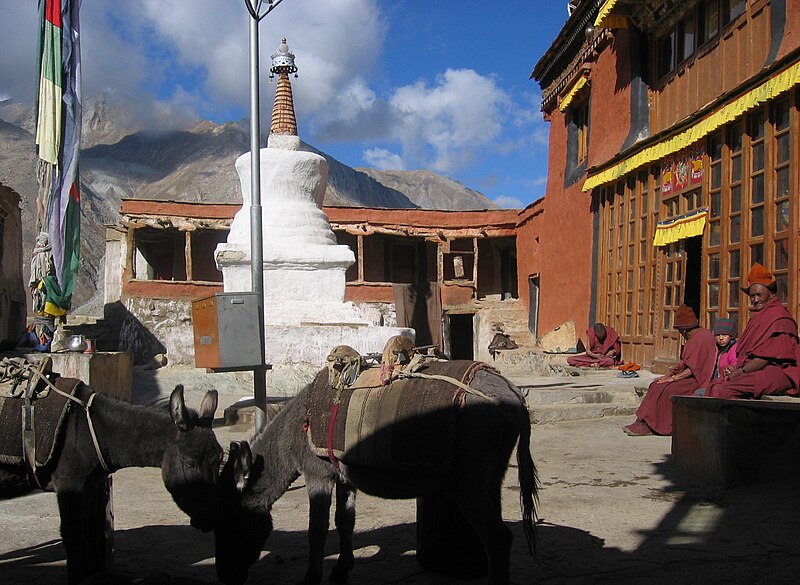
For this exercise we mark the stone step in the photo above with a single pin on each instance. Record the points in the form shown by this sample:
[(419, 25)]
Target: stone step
[(591, 394), (566, 395), (553, 413)]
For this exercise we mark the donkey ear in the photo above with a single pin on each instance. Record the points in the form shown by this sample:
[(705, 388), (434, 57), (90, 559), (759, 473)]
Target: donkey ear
[(177, 408), (244, 463), (209, 406)]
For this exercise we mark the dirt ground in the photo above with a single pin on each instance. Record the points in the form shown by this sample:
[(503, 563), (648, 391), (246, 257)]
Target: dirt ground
[(612, 511)]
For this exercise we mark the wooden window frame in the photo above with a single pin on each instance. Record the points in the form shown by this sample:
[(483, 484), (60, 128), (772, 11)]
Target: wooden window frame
[(580, 118)]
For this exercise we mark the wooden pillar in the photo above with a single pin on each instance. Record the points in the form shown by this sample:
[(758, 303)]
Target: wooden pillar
[(187, 252), (360, 257)]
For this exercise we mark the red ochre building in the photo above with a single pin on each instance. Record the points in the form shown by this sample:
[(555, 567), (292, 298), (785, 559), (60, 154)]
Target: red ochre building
[(673, 164), (164, 251)]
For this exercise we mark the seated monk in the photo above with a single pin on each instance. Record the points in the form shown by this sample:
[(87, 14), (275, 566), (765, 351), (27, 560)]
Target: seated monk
[(767, 352), (603, 349), (694, 371)]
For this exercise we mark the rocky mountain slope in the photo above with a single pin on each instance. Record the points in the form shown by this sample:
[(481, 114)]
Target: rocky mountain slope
[(120, 160)]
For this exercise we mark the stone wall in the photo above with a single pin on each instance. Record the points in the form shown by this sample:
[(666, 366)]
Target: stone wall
[(13, 294), (153, 326)]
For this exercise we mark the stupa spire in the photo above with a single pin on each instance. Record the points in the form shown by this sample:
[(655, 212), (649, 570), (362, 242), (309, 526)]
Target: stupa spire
[(283, 118)]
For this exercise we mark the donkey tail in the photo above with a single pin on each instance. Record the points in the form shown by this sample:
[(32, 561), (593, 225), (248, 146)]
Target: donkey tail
[(528, 481)]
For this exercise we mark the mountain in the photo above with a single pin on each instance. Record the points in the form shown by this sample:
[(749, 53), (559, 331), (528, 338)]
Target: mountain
[(122, 160)]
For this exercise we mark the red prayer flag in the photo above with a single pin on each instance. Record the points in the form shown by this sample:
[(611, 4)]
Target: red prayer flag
[(58, 137)]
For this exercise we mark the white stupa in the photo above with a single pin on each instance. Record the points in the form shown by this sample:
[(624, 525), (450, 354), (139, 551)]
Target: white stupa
[(305, 313)]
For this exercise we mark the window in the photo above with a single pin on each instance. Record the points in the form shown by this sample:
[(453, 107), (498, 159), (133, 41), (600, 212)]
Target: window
[(709, 20), (459, 262), (757, 175), (395, 259), (698, 25), (204, 243), (628, 262), (178, 256), (580, 118), (733, 8), (665, 54), (351, 241), (160, 254), (687, 37), (781, 207)]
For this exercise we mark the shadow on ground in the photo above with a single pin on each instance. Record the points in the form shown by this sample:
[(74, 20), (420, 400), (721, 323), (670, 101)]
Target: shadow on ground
[(745, 535)]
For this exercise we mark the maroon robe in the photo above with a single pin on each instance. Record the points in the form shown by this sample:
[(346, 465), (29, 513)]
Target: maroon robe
[(607, 361), (771, 334), (699, 356)]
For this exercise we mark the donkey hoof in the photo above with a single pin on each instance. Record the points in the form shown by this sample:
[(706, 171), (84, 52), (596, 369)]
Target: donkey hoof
[(338, 575)]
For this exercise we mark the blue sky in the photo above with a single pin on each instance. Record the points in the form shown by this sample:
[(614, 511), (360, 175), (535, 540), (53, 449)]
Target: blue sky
[(405, 84)]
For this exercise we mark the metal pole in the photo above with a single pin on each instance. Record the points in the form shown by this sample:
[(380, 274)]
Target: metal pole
[(256, 237)]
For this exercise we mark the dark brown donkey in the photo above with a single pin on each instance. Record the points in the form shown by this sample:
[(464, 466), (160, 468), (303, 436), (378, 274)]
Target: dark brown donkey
[(180, 442), (466, 462)]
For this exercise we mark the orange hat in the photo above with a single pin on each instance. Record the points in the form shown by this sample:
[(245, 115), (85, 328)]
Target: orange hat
[(758, 275), (685, 318)]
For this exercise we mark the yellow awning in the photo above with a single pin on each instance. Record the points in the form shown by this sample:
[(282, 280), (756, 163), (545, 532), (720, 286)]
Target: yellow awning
[(771, 88), (567, 99), (607, 20), (679, 228)]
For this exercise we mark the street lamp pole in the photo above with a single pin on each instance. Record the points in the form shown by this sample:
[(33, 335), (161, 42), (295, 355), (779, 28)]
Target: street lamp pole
[(258, 11)]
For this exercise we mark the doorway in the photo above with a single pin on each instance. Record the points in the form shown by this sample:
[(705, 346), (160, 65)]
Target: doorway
[(681, 282), (694, 262), (461, 336), (533, 305)]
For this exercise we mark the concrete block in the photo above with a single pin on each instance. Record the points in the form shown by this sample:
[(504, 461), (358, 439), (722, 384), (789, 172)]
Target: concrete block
[(109, 373), (736, 442)]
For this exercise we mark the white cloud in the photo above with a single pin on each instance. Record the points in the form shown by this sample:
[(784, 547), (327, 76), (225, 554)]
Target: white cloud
[(18, 60), (330, 39), (164, 50), (508, 202), (447, 125), (443, 126), (383, 159), (172, 61)]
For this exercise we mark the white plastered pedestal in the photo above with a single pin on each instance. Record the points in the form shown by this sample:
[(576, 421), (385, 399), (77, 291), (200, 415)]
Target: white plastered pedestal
[(305, 312)]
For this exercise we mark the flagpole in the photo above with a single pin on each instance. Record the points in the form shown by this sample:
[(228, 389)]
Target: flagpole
[(254, 7)]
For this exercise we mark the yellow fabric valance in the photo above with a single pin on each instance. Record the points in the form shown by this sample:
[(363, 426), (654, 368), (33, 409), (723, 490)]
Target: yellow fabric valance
[(607, 20), (567, 99), (686, 226), (771, 88)]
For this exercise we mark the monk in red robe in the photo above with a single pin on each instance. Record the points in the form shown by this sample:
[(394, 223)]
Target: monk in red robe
[(654, 415), (603, 349), (767, 352)]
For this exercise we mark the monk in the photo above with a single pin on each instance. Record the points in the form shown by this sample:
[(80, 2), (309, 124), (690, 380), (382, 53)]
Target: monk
[(603, 349), (654, 415), (767, 352)]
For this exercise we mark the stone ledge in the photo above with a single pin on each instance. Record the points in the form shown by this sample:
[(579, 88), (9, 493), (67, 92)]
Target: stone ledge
[(735, 442)]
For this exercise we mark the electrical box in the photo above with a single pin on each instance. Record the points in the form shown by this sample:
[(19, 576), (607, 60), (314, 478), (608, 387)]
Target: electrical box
[(227, 331)]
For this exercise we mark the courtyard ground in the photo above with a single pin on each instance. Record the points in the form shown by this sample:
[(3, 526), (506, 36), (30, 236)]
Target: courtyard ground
[(612, 509)]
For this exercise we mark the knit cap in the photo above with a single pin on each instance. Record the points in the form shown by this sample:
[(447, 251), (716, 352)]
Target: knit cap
[(725, 327)]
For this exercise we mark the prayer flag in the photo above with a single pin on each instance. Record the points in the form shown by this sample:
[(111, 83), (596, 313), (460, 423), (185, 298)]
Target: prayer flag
[(58, 138)]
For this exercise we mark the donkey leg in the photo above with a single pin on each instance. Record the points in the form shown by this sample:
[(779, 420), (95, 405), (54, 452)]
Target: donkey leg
[(69, 507), (319, 499), (98, 524), (481, 511), (345, 520)]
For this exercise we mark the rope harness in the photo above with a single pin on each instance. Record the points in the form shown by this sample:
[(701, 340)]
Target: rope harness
[(18, 370), (397, 362)]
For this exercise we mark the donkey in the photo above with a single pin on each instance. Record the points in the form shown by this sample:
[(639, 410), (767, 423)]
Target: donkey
[(181, 443), (487, 426)]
